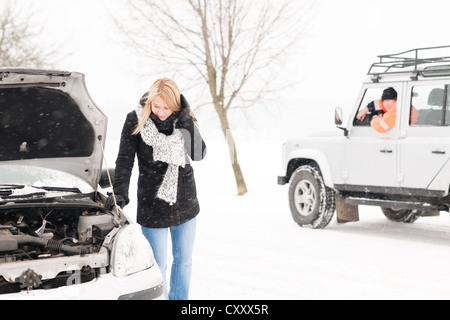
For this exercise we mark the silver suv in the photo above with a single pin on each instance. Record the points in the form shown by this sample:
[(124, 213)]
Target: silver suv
[(404, 170)]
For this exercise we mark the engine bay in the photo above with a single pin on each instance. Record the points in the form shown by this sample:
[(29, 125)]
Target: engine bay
[(30, 233), (49, 245)]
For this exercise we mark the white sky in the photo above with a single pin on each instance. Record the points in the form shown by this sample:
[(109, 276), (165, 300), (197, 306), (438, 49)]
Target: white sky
[(348, 35), (345, 37)]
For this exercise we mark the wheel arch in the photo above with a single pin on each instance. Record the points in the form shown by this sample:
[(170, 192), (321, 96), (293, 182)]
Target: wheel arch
[(313, 158)]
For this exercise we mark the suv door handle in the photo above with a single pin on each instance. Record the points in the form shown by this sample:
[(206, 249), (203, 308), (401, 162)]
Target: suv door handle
[(438, 152), (386, 151)]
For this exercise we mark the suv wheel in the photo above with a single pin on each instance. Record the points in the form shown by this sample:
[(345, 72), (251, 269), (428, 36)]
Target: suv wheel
[(401, 215), (311, 201)]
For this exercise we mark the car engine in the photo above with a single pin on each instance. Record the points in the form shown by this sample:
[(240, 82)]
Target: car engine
[(29, 235)]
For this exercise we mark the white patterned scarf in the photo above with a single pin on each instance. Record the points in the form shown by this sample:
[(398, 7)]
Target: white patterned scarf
[(168, 149)]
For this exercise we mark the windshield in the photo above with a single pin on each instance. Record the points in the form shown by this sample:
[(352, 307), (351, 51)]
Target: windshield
[(29, 176)]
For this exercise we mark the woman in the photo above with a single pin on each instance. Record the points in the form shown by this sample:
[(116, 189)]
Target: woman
[(163, 135)]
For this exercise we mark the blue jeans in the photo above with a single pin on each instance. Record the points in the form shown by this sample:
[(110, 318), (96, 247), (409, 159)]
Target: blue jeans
[(182, 247)]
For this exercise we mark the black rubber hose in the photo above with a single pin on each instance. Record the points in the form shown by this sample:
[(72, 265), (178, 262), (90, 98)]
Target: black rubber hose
[(52, 245)]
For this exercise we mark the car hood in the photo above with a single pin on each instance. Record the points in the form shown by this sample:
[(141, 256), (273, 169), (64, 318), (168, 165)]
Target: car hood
[(48, 120)]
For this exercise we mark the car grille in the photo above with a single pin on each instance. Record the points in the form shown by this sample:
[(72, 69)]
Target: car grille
[(61, 280)]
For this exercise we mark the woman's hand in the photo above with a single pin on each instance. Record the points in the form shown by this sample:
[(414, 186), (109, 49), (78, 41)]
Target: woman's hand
[(121, 202), (184, 115)]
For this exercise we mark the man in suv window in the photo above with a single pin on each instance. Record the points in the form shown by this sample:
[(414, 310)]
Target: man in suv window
[(385, 110)]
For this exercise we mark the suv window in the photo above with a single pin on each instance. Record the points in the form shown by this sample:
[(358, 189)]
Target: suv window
[(432, 104), (371, 94)]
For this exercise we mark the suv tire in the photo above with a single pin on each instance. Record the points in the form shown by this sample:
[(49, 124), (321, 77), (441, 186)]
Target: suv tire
[(406, 216), (310, 200)]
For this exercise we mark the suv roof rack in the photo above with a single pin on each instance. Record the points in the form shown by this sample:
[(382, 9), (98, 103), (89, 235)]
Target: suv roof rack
[(430, 61)]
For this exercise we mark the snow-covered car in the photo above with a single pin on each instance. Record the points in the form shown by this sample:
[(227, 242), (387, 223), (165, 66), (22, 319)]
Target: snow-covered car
[(405, 170), (57, 239)]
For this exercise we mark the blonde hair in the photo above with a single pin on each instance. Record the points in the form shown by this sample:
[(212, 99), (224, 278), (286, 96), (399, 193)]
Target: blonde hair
[(168, 90)]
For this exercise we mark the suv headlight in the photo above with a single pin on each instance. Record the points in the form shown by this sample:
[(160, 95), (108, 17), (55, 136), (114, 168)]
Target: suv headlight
[(131, 252)]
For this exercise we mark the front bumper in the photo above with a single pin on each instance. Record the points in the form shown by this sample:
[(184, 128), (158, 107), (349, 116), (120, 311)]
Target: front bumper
[(155, 293), (145, 285)]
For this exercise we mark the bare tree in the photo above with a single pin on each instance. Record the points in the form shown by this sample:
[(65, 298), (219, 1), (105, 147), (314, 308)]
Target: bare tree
[(229, 45), (19, 46)]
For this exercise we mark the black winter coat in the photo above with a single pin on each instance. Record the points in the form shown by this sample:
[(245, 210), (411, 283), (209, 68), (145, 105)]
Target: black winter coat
[(153, 212)]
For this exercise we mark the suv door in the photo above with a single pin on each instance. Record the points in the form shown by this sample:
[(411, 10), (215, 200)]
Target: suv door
[(425, 150), (372, 156)]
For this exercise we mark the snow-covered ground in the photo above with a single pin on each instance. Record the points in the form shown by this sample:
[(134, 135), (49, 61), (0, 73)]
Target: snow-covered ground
[(250, 248)]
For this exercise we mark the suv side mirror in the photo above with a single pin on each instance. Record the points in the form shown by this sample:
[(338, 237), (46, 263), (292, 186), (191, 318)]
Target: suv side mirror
[(338, 116)]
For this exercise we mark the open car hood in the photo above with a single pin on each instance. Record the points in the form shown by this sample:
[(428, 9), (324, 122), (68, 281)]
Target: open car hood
[(48, 120)]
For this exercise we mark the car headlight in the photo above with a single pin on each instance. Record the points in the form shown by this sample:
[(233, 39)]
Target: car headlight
[(131, 252)]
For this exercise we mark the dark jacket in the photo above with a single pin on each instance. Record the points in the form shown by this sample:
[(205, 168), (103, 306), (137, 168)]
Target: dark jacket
[(153, 212)]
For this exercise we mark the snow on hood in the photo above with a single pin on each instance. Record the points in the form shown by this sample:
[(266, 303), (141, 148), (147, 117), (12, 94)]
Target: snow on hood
[(27, 190), (34, 179)]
